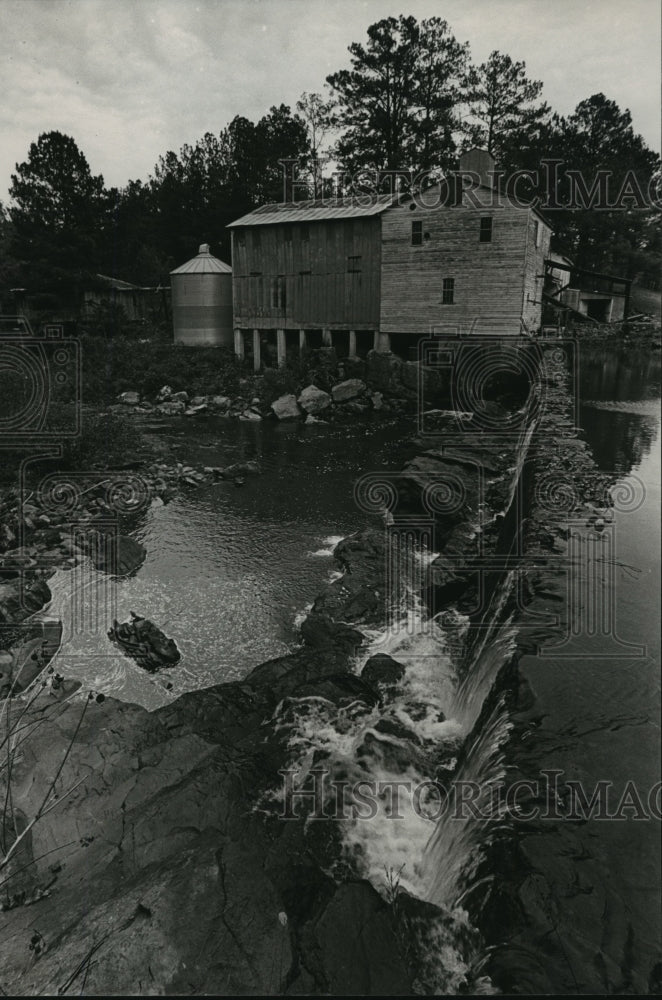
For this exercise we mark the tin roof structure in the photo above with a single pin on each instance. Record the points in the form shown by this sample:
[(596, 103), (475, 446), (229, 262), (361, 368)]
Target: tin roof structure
[(204, 263), (358, 206)]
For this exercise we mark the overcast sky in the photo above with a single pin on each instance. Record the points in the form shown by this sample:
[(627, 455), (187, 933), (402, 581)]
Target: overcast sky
[(130, 79)]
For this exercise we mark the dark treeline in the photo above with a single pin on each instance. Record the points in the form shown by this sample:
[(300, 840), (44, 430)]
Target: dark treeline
[(410, 99)]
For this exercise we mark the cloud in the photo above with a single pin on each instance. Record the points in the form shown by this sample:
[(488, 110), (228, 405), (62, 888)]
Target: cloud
[(129, 79)]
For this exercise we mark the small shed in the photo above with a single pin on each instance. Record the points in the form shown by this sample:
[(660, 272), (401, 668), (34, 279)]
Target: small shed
[(202, 301)]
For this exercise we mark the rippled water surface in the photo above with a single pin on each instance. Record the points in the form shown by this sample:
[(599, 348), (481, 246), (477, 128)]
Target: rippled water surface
[(228, 569), (601, 700)]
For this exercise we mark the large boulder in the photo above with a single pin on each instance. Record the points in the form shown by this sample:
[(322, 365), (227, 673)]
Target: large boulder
[(383, 371), (241, 469), (286, 407), (314, 400), (120, 555), (382, 670), (142, 640), (388, 373), (220, 402), (352, 388), (129, 398), (320, 630), (172, 408), (351, 367), (358, 948)]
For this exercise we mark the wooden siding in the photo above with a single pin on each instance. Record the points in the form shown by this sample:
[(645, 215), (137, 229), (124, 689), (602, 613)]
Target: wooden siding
[(298, 276), (489, 277), (537, 249)]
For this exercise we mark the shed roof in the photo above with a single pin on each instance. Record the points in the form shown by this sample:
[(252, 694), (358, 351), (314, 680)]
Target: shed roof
[(204, 263), (116, 283), (357, 206)]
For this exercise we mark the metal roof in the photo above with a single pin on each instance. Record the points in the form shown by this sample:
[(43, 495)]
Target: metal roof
[(317, 211), (204, 263), (116, 283)]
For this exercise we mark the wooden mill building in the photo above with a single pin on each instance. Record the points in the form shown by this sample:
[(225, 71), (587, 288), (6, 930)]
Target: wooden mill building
[(382, 271)]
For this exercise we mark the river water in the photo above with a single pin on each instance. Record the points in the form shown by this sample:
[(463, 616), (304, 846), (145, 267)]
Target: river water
[(601, 700), (229, 570)]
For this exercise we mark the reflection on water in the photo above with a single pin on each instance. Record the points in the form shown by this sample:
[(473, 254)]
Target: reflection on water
[(602, 713), (227, 568), (619, 405)]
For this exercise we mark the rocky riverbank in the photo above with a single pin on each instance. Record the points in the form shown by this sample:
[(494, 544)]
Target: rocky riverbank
[(144, 861), (148, 853), (334, 390)]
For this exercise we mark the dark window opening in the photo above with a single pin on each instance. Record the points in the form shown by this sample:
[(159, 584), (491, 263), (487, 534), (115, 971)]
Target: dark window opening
[(448, 291), (536, 233), (354, 264), (486, 229), (417, 234)]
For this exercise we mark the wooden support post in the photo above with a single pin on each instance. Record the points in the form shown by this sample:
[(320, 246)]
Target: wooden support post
[(302, 341), (352, 343), (239, 343), (257, 360), (280, 347), (327, 339), (626, 303), (375, 341), (383, 345)]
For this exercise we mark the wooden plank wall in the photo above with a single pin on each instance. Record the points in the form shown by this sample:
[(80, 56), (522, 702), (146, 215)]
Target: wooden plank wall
[(489, 277), (311, 262), (537, 250)]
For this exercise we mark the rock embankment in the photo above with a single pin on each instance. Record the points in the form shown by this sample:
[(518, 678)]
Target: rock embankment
[(350, 387), (142, 860), (549, 916), (155, 872)]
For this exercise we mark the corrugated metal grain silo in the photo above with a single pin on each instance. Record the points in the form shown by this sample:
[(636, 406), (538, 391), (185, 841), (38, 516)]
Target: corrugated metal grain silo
[(202, 301)]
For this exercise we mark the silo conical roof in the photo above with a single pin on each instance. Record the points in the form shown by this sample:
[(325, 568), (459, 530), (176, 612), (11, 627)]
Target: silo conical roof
[(204, 263)]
